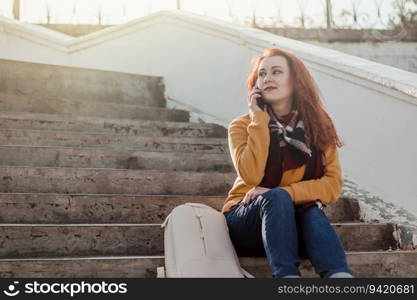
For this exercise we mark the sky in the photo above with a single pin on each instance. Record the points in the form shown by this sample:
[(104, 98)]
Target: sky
[(121, 11)]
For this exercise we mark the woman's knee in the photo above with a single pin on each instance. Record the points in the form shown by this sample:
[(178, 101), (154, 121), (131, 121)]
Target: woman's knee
[(315, 214), (279, 198), (278, 193), (315, 220)]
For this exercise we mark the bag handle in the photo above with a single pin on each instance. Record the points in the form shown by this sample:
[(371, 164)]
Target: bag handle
[(188, 204)]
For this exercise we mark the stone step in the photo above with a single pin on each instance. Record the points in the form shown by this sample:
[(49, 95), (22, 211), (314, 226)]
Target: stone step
[(74, 83), (113, 181), (376, 264), (82, 208), (370, 264), (14, 137), (113, 158), (26, 240), (25, 120), (34, 240), (13, 103)]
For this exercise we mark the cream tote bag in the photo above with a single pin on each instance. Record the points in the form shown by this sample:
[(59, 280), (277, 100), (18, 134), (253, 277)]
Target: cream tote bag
[(197, 244)]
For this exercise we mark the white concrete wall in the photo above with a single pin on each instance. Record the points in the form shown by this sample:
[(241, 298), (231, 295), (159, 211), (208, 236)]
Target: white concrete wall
[(401, 55), (205, 63)]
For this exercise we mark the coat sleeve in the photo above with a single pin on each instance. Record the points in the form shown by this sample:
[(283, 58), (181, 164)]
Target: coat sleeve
[(249, 145), (327, 188)]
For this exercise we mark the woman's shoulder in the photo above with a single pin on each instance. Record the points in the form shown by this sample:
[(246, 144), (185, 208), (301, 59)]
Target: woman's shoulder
[(240, 120), (245, 119), (330, 152)]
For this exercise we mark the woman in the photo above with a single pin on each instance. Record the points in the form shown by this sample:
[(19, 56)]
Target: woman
[(285, 155)]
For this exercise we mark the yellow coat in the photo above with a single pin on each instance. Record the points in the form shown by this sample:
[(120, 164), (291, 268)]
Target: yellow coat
[(249, 144)]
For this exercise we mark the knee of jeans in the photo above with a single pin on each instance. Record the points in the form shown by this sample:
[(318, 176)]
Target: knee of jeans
[(315, 213), (279, 197)]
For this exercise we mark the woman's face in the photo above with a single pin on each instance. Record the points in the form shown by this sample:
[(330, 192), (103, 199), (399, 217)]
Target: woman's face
[(274, 79)]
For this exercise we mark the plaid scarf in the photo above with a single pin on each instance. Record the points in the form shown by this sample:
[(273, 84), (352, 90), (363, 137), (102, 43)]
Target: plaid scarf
[(289, 149)]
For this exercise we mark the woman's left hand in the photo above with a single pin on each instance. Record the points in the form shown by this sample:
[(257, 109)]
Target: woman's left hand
[(252, 193)]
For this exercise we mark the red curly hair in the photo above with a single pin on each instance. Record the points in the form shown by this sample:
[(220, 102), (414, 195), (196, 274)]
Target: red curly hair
[(318, 124)]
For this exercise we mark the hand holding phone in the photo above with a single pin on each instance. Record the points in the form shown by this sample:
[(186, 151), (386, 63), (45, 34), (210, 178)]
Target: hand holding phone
[(261, 103), (255, 100)]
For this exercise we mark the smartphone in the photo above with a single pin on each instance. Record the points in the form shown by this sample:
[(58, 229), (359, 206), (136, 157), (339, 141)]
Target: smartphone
[(261, 103), (260, 100)]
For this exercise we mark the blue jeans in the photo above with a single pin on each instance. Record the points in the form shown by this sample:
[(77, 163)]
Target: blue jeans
[(274, 227)]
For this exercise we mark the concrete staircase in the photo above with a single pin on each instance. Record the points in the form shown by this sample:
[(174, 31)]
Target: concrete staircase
[(93, 161)]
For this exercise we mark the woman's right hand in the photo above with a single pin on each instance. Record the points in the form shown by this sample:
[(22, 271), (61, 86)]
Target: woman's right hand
[(252, 99)]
